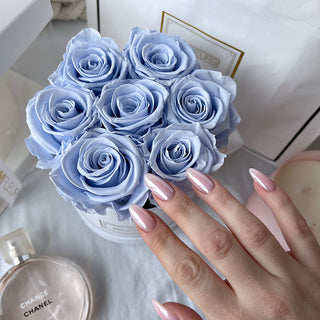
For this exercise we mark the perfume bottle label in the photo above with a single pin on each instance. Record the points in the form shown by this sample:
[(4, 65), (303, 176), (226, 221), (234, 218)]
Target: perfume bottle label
[(43, 304), (35, 303), (38, 296), (10, 185)]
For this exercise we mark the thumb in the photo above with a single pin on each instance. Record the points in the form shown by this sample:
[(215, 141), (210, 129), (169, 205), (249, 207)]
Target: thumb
[(174, 311)]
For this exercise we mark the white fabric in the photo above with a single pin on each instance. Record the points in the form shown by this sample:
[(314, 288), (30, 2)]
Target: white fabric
[(124, 277), (69, 9)]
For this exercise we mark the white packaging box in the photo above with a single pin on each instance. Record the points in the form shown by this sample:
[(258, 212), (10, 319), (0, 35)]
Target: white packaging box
[(18, 158), (276, 45)]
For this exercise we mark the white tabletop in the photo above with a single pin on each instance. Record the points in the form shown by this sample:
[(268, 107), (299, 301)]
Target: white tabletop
[(124, 277)]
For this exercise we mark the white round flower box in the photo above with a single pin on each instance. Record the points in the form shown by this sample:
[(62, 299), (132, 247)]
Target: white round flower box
[(111, 228)]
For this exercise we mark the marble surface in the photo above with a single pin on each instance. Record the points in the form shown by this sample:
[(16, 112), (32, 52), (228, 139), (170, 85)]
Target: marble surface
[(124, 277)]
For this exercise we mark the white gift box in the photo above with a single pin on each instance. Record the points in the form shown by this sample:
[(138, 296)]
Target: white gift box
[(16, 90), (20, 23), (270, 49)]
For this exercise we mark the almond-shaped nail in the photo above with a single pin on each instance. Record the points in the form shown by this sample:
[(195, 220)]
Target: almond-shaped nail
[(265, 182), (159, 187), (142, 218), (163, 312), (200, 180)]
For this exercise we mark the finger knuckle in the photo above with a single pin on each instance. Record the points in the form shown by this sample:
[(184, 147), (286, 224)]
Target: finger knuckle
[(159, 243), (283, 201), (182, 207), (255, 234), (301, 228), (299, 224), (223, 198), (276, 307), (191, 273), (218, 244)]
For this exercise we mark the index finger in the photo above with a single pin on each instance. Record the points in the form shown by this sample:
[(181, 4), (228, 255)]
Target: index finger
[(210, 293)]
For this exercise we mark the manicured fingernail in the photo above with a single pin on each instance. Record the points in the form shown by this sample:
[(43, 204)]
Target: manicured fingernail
[(163, 312), (159, 187), (265, 182), (200, 181), (142, 218)]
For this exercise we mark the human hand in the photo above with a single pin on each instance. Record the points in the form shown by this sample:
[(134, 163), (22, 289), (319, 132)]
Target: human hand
[(263, 281)]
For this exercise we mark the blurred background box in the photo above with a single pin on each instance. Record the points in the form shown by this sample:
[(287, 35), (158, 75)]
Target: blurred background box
[(20, 23), (278, 69)]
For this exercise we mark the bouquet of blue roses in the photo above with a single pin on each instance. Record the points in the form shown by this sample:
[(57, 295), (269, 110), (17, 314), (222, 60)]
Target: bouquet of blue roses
[(110, 116)]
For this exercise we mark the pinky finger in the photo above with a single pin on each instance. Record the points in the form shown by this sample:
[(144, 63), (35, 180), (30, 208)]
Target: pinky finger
[(302, 243), (174, 311)]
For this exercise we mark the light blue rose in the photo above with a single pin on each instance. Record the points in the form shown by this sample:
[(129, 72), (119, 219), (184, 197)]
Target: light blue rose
[(56, 116), (132, 107), (90, 61), (158, 56), (181, 146), (102, 170), (206, 97)]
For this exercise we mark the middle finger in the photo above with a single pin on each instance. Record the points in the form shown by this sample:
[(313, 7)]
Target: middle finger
[(210, 237), (246, 227)]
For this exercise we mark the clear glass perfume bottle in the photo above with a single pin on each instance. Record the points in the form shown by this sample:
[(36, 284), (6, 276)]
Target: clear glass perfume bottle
[(41, 288)]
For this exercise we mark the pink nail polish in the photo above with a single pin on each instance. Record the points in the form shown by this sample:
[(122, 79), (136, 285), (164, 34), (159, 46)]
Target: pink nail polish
[(163, 312), (200, 181), (265, 182), (159, 187), (142, 218)]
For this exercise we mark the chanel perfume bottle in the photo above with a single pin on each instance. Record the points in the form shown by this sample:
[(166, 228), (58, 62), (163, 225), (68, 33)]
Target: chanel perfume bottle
[(41, 288)]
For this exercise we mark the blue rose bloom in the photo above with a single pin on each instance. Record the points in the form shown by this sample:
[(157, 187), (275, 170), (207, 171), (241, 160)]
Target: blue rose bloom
[(90, 61), (181, 146), (206, 97), (56, 116), (102, 170), (158, 56), (132, 107)]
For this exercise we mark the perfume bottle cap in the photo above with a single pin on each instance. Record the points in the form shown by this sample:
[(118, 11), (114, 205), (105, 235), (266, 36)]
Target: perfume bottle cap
[(16, 247)]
